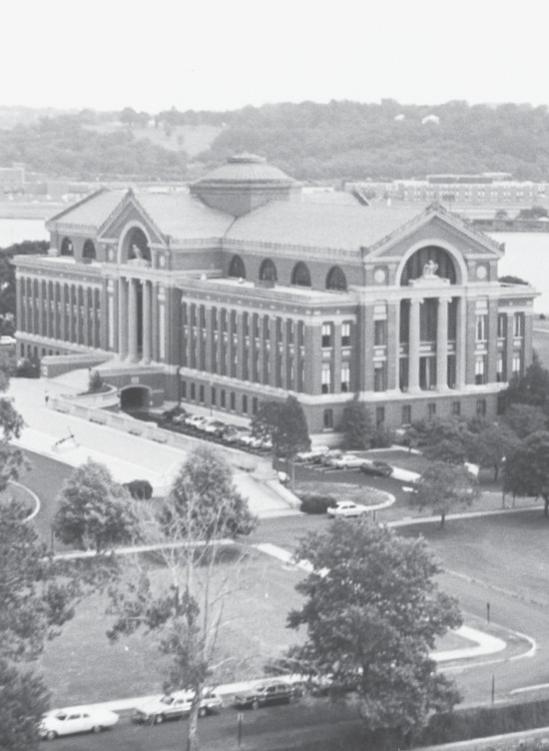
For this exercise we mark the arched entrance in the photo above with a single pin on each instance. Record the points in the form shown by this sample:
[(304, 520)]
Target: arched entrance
[(134, 398), (136, 248)]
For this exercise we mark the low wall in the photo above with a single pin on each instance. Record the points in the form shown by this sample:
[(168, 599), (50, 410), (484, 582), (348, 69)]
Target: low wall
[(126, 424), (98, 399), (55, 365)]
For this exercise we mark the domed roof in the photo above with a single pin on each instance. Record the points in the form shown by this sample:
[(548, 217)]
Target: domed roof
[(245, 168)]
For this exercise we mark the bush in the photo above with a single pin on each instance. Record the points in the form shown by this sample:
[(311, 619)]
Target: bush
[(382, 438), (27, 368), (312, 503), (95, 383), (139, 489)]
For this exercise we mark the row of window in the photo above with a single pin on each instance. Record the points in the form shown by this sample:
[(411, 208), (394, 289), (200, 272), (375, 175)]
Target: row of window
[(481, 326), (300, 276), (218, 398)]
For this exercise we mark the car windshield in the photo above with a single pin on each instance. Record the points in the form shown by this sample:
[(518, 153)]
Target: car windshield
[(167, 700), (60, 716)]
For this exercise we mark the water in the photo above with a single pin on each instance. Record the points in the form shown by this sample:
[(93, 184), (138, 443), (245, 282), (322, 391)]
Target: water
[(527, 256), (16, 230)]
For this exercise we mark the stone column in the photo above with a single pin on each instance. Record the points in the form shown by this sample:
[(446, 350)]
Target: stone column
[(442, 344), (509, 345), (414, 344), (132, 320), (147, 329), (41, 331), (208, 361), (63, 311), (461, 342), (393, 345), (122, 318)]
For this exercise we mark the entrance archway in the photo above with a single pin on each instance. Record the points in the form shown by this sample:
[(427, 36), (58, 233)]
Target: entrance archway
[(134, 398)]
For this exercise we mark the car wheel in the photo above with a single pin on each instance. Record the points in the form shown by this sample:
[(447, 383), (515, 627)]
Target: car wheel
[(158, 719), (255, 704), (96, 729), (51, 735), (202, 712)]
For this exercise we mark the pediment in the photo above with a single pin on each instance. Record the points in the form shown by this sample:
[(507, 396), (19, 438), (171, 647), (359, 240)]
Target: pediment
[(130, 211), (436, 227)]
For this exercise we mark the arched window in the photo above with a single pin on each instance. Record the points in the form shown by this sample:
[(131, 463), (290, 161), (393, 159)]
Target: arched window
[(66, 247), (136, 248), (336, 279), (438, 261), (301, 275), (267, 271), (237, 268), (88, 251)]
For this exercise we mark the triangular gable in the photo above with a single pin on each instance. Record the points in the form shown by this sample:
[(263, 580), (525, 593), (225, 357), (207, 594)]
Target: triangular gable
[(440, 218), (130, 210)]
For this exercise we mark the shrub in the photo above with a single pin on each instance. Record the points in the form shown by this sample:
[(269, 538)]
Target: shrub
[(139, 489), (382, 438), (95, 384), (27, 368), (313, 503)]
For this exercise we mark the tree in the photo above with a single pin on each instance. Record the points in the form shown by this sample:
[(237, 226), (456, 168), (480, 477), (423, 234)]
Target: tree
[(443, 439), (524, 419), (491, 446), (526, 471), (285, 424), (182, 600), (37, 596), (443, 487), (531, 388), (94, 511), (357, 426), (372, 612)]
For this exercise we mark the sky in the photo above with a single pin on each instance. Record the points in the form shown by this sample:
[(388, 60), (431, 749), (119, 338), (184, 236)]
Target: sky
[(224, 54)]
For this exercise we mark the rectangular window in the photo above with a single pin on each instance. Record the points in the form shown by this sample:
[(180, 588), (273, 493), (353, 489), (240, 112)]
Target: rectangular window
[(326, 378), (213, 396), (183, 387), (345, 377), (346, 334), (232, 401), (201, 393), (380, 333), (406, 418), (500, 368), (222, 398), (517, 363), (326, 334), (380, 376), (254, 405), (456, 409), (518, 324), (480, 369), (380, 416), (245, 404), (481, 407), (193, 392), (328, 419), (431, 409), (502, 326), (481, 327)]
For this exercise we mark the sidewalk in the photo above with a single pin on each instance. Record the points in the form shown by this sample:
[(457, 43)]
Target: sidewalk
[(127, 456)]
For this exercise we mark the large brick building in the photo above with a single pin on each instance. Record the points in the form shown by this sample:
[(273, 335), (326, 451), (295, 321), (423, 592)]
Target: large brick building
[(245, 287)]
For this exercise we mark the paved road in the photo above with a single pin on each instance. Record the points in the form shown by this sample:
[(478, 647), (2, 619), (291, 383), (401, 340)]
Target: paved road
[(268, 728)]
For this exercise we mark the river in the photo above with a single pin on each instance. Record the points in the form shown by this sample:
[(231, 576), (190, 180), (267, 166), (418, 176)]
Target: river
[(526, 254)]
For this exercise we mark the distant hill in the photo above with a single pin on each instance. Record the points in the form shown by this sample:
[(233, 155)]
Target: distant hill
[(334, 141)]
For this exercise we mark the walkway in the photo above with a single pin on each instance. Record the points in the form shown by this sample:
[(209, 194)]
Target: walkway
[(72, 440)]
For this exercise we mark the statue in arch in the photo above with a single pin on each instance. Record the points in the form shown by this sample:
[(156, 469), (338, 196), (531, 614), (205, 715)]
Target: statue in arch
[(430, 269)]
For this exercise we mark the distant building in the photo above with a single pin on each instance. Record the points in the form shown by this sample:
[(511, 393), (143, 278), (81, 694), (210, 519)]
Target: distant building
[(245, 288), (12, 179)]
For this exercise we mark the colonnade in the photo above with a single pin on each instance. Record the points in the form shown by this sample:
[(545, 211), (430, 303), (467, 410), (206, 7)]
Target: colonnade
[(135, 319)]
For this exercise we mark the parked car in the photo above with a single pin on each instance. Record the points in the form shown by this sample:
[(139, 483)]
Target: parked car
[(231, 433), (174, 706), (330, 457), (76, 720), (212, 426), (347, 461), (196, 421), (376, 467), (346, 509), (265, 695), (176, 414), (314, 454)]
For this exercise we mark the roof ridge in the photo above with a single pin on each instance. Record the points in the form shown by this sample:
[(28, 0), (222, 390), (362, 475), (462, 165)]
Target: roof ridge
[(81, 202)]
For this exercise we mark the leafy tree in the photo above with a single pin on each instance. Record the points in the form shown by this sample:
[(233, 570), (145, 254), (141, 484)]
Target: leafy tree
[(524, 419), (372, 612), (443, 439), (491, 446), (526, 471), (285, 424), (531, 388), (357, 426), (94, 511), (37, 599), (443, 487), (182, 601), (12, 460)]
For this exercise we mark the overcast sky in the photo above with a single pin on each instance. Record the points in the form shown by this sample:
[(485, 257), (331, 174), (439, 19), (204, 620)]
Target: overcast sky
[(223, 54)]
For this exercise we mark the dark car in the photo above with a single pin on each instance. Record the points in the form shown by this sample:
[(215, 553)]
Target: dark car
[(376, 467), (176, 414), (265, 695)]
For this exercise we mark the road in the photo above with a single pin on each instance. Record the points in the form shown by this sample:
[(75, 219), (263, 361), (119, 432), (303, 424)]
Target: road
[(280, 727)]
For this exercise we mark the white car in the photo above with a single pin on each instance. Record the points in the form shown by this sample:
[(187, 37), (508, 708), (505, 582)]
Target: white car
[(346, 509), (347, 461), (196, 421), (174, 706), (76, 720), (315, 452)]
